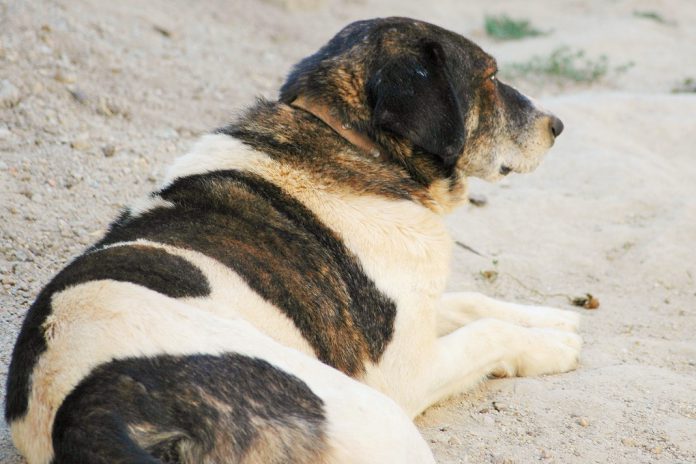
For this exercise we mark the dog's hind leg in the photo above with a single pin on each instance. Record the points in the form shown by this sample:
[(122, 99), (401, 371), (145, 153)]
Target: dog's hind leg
[(188, 409), (458, 309)]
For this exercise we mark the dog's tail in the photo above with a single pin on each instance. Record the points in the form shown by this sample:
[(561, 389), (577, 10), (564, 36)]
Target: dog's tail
[(190, 409)]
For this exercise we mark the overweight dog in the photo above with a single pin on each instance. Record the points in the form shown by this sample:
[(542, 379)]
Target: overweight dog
[(280, 297)]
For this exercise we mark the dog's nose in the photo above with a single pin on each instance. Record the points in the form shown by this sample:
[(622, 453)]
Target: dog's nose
[(556, 126)]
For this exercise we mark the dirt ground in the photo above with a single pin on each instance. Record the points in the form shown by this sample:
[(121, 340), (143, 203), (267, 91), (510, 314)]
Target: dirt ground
[(97, 97)]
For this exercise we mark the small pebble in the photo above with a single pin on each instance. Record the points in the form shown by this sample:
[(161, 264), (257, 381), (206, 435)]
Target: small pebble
[(78, 95), (545, 454), (9, 94), (165, 32), (656, 450), (478, 200), (64, 78), (5, 134), (500, 406), (454, 441), (583, 422), (109, 150), (628, 442), (79, 144)]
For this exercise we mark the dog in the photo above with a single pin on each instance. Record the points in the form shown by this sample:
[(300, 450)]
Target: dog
[(281, 297)]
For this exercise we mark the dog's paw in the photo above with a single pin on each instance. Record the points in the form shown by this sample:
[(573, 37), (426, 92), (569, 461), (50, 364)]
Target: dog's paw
[(549, 318), (539, 352), (548, 351)]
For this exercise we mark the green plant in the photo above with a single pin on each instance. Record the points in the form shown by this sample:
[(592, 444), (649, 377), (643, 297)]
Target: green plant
[(653, 15), (503, 27), (563, 63), (688, 85)]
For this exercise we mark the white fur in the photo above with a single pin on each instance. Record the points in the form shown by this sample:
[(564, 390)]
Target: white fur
[(440, 346), (215, 152), (145, 204)]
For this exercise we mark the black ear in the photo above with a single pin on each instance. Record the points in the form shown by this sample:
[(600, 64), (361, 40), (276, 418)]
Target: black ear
[(412, 96)]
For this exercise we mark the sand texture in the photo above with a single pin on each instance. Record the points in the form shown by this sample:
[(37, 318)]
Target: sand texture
[(97, 97)]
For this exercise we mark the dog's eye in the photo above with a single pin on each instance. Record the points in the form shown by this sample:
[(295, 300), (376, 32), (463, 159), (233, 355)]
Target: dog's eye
[(492, 77)]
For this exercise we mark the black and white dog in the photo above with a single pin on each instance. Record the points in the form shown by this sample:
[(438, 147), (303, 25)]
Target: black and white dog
[(280, 298)]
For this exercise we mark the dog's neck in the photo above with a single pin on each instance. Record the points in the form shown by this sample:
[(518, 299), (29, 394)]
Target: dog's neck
[(323, 113), (307, 142)]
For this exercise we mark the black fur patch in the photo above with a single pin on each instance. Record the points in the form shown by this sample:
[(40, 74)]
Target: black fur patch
[(283, 252), (143, 265), (190, 409)]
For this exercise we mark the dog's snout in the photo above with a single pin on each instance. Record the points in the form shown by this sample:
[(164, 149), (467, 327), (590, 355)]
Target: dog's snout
[(556, 126)]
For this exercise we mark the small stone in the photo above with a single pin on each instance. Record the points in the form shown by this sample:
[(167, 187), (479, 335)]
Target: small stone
[(51, 182), (79, 144), (64, 78), (165, 32), (491, 275), (478, 200), (545, 454), (104, 108), (9, 94), (628, 442), (109, 150), (583, 422), (587, 301), (656, 450), (498, 406), (78, 95), (454, 441)]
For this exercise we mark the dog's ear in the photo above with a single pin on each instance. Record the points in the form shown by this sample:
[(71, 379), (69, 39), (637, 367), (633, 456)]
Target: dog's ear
[(413, 97)]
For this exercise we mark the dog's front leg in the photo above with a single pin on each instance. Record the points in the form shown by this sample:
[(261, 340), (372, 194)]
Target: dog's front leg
[(458, 309), (461, 359)]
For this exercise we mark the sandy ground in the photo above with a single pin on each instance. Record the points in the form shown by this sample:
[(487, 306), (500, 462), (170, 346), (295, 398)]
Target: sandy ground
[(97, 97)]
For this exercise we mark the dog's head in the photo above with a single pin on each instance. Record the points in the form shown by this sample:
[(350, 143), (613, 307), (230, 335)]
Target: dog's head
[(424, 97)]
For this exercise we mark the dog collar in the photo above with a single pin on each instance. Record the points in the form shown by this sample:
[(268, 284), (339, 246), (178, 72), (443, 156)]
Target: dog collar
[(323, 112)]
